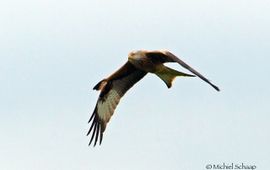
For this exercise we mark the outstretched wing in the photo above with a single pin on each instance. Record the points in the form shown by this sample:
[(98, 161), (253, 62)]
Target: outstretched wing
[(166, 56), (112, 89)]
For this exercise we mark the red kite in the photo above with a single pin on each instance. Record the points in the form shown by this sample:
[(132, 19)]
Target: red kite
[(116, 85)]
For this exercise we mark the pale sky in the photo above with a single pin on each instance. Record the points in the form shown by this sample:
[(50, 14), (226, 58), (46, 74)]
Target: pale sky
[(53, 52)]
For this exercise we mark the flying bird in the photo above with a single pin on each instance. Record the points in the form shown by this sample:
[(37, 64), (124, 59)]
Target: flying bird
[(116, 85)]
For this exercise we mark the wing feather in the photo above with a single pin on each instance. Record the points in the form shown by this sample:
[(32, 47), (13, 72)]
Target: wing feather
[(97, 134), (94, 130), (166, 56), (115, 87)]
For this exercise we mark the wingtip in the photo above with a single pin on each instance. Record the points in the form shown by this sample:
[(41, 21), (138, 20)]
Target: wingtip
[(101, 136), (216, 87)]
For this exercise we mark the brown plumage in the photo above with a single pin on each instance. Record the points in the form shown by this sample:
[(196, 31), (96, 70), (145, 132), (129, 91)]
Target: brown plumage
[(116, 85)]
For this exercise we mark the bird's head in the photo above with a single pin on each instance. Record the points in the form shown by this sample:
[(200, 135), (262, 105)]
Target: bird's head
[(136, 56)]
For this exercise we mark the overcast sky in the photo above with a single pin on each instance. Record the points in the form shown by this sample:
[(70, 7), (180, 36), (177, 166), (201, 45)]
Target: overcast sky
[(53, 52)]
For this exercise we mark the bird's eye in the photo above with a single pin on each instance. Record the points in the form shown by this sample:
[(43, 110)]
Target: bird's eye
[(140, 62)]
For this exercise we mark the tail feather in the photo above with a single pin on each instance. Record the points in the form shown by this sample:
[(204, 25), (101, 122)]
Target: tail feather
[(168, 75)]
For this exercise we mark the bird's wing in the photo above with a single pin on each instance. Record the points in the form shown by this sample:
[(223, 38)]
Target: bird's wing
[(112, 89), (166, 56)]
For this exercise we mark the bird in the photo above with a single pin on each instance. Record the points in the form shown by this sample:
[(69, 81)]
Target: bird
[(114, 87)]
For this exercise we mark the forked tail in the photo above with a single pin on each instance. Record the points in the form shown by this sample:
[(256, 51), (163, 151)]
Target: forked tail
[(168, 75)]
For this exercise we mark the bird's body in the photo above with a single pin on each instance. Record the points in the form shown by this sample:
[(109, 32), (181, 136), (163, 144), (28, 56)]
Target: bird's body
[(116, 85)]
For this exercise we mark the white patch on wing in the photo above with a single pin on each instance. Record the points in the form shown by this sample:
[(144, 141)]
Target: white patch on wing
[(107, 107)]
